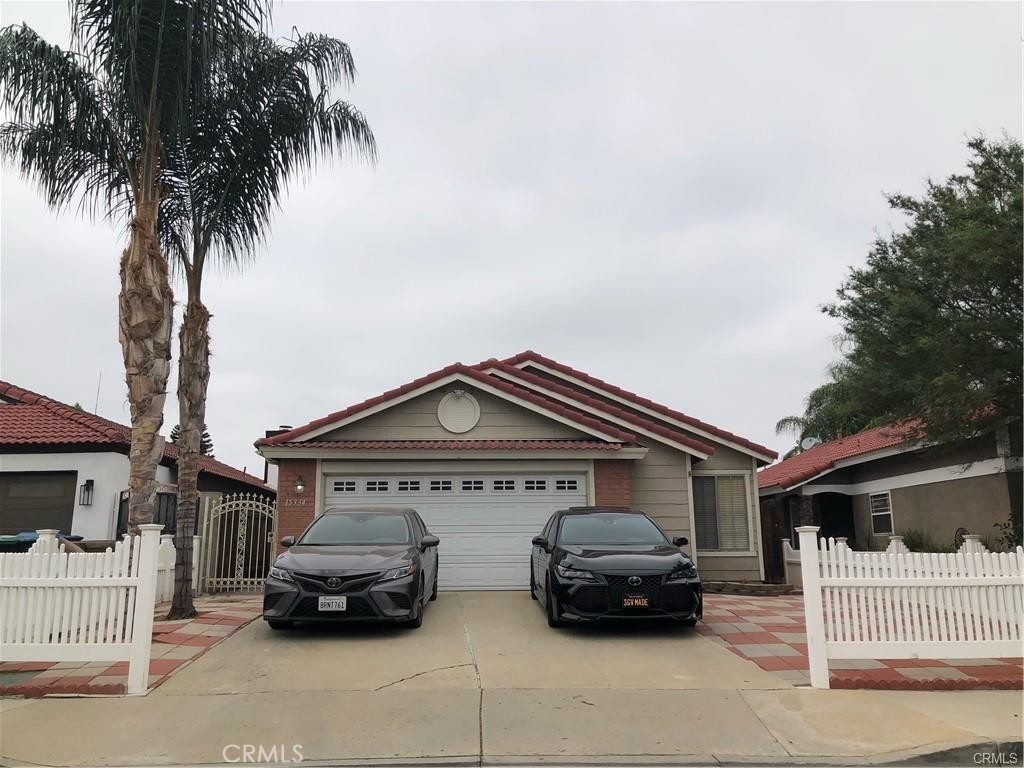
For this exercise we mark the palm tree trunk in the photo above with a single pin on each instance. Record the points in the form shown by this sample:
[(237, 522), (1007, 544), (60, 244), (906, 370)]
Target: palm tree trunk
[(145, 319), (193, 381)]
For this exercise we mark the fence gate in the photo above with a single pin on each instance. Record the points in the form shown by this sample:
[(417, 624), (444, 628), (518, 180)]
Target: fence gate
[(238, 534)]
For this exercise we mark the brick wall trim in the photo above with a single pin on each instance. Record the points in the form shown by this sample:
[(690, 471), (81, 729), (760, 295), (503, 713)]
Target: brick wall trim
[(612, 485), (295, 511)]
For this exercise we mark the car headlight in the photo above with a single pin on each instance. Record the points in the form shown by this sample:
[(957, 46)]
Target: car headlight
[(399, 573), (281, 574), (685, 571), (573, 573)]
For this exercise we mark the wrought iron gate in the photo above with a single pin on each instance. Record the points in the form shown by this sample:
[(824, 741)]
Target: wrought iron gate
[(238, 538)]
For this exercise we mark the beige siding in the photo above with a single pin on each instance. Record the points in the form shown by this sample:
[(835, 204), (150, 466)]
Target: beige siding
[(723, 458), (659, 488), (729, 568), (416, 419), (938, 509)]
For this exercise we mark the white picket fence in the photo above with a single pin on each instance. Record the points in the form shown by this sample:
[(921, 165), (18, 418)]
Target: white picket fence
[(166, 556), (81, 606), (906, 605)]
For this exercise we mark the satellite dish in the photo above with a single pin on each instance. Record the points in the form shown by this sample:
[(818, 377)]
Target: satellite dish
[(809, 442)]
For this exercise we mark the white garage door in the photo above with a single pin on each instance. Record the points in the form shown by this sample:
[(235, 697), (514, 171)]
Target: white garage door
[(485, 522)]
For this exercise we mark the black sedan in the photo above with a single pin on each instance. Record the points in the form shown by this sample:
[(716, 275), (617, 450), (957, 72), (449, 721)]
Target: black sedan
[(612, 563), (354, 564)]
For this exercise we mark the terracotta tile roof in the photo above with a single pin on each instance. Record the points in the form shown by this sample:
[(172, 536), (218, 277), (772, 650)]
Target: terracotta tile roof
[(824, 456), (28, 418), (457, 445), (580, 419), (637, 399), (601, 405)]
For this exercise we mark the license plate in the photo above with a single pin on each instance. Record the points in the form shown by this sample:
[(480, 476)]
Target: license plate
[(636, 601), (333, 603)]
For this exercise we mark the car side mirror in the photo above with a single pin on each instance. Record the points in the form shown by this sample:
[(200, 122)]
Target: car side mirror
[(540, 541), (287, 541), (680, 541), (428, 541)]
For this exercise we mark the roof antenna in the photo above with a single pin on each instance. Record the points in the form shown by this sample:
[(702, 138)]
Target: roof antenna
[(96, 406)]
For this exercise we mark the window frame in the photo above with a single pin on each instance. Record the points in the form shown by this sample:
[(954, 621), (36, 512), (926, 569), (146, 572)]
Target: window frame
[(873, 514), (752, 531)]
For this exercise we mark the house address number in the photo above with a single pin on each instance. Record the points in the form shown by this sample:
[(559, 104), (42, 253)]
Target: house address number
[(295, 502)]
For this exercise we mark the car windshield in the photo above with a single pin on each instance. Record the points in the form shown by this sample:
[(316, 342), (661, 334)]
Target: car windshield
[(609, 528), (355, 528)]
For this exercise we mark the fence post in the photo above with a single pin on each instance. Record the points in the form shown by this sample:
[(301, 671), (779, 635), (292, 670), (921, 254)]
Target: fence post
[(896, 545), (972, 543), (46, 541), (810, 572), (786, 548), (145, 602), (197, 542)]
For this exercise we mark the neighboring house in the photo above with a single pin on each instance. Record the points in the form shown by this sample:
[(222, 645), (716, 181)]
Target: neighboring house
[(883, 481), (487, 452), (63, 468)]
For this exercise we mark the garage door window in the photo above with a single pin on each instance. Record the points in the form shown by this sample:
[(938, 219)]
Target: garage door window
[(408, 486), (535, 485), (441, 486), (567, 485), (504, 485), (473, 486), (344, 486), (721, 514), (376, 486)]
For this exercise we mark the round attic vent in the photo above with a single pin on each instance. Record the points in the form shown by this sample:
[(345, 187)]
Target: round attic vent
[(458, 411)]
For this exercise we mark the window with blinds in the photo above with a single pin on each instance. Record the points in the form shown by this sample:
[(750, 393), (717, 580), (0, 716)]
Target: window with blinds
[(720, 513), (881, 513)]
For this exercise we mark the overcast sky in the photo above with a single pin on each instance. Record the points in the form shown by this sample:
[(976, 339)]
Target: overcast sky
[(662, 195)]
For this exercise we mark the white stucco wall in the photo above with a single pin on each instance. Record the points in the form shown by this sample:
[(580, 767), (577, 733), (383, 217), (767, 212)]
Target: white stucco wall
[(109, 473)]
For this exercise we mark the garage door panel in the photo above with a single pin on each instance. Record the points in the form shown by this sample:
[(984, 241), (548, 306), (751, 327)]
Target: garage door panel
[(485, 522)]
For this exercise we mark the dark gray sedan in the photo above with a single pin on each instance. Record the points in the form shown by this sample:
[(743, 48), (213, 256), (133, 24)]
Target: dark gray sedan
[(354, 564)]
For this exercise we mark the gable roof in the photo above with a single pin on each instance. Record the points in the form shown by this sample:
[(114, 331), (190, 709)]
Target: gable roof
[(592, 402), (432, 380), (823, 457), (581, 409), (28, 418), (748, 446)]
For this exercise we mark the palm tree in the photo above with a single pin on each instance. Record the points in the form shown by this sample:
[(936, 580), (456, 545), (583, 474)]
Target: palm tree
[(268, 114), (92, 124)]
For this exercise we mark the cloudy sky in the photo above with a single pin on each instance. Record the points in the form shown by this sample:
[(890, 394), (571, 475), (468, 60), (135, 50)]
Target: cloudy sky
[(660, 194)]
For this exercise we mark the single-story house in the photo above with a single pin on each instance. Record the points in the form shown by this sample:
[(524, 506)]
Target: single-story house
[(64, 468), (884, 481), (487, 452)]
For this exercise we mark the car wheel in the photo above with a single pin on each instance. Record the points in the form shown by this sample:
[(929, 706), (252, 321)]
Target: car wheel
[(433, 591), (552, 608), (533, 584), (279, 624)]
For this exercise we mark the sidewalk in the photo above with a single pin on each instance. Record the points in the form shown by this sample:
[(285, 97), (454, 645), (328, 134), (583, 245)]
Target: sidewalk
[(175, 643), (770, 632)]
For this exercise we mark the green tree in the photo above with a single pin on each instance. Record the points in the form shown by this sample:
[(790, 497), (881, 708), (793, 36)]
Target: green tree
[(932, 324), (205, 441), (92, 124), (268, 115)]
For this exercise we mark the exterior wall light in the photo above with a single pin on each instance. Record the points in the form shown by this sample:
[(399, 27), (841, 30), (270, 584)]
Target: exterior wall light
[(300, 484), (85, 494)]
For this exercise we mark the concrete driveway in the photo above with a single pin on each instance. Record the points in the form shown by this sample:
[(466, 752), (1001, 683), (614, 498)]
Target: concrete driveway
[(485, 680)]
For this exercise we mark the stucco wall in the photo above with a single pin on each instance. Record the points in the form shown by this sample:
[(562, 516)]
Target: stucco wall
[(108, 471), (938, 509), (416, 419)]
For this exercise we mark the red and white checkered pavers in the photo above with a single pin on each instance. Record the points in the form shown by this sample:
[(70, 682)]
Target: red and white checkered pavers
[(770, 632)]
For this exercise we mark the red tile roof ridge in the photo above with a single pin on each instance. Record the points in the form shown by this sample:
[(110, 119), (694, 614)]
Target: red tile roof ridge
[(112, 432), (601, 405), (803, 466), (625, 394), (482, 445), (457, 368)]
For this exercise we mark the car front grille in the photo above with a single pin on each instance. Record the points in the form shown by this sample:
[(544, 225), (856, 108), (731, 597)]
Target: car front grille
[(308, 608), (271, 599), (591, 599), (646, 582), (619, 587), (350, 582)]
